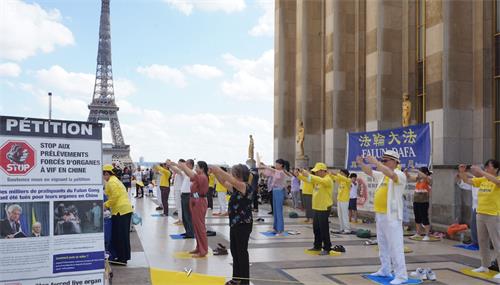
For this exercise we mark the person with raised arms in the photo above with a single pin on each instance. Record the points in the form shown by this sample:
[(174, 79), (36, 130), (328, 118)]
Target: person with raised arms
[(488, 208), (388, 206), (240, 218)]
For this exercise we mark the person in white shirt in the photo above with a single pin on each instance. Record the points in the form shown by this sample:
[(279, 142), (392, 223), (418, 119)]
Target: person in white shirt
[(353, 198), (185, 197), (178, 180), (139, 185), (388, 206), (473, 225)]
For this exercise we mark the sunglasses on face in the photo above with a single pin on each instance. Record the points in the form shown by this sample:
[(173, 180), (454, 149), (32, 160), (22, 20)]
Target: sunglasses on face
[(384, 160)]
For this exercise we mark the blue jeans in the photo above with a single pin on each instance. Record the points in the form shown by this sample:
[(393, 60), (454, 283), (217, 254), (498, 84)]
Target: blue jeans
[(473, 227), (278, 198)]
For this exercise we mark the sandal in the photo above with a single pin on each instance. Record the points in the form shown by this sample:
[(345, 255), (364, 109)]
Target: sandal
[(220, 251), (338, 248)]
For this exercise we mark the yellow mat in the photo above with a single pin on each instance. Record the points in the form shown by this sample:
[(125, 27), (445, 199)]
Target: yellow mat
[(469, 272), (187, 255), (407, 249), (167, 277), (420, 238), (313, 252)]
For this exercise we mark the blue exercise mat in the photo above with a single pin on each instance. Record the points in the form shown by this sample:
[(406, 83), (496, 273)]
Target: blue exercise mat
[(177, 236), (272, 234), (386, 280), (473, 247)]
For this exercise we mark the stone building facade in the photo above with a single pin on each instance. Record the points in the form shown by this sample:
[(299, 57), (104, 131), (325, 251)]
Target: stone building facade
[(343, 66)]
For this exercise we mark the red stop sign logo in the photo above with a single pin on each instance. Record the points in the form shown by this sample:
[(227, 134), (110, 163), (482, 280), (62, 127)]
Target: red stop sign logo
[(17, 157)]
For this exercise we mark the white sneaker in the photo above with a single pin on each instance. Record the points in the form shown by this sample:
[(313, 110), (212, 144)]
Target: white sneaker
[(426, 238), (380, 273), (497, 276), (398, 281), (481, 270), (420, 273), (431, 275)]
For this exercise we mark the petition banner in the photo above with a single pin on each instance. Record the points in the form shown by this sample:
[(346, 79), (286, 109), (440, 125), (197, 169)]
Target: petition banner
[(51, 193)]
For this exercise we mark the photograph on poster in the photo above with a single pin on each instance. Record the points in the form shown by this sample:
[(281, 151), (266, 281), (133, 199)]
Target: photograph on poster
[(78, 217), (24, 219)]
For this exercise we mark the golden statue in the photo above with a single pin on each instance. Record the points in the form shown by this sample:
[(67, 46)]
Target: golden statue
[(406, 110), (300, 138), (250, 148)]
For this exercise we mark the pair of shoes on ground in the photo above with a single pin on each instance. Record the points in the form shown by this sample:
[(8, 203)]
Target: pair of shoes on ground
[(486, 270), (220, 250), (416, 236), (395, 281), (424, 274)]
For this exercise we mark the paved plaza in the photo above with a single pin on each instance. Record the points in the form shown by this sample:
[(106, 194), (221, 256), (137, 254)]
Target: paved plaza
[(277, 260)]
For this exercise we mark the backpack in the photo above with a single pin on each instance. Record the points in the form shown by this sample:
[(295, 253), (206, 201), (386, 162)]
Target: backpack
[(362, 233)]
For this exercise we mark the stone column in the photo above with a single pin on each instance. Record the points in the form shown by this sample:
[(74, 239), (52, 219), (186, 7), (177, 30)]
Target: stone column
[(339, 78), (483, 80), (284, 79), (449, 76), (309, 75), (383, 64)]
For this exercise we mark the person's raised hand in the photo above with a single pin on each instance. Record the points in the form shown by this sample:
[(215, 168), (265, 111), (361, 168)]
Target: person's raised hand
[(359, 160), (476, 168), (372, 159)]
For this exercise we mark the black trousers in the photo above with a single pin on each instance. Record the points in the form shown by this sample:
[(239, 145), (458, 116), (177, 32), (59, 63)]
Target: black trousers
[(186, 214), (165, 192), (321, 230), (255, 199), (120, 236), (238, 237), (210, 197), (271, 195)]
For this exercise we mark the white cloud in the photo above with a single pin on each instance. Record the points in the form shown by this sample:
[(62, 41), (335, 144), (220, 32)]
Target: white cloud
[(10, 69), (67, 108), (187, 6), (265, 25), (78, 84), (164, 73), (253, 79), (28, 28), (211, 137), (203, 71), (58, 80)]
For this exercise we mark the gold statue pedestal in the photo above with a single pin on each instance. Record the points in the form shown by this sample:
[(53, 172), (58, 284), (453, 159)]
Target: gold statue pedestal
[(302, 162)]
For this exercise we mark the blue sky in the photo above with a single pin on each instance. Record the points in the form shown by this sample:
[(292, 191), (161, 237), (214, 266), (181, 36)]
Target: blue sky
[(193, 78)]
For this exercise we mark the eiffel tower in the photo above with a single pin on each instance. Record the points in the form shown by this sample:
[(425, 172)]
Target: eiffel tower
[(103, 106)]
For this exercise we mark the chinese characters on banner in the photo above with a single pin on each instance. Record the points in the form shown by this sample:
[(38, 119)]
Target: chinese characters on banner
[(51, 193), (413, 144)]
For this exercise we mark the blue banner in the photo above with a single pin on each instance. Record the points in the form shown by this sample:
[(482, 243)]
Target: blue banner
[(413, 144)]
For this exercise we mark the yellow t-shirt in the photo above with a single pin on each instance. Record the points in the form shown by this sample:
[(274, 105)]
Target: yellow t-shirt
[(307, 187), (380, 201), (211, 180), (165, 176), (488, 196), (117, 197), (344, 187), (322, 193), (219, 187)]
